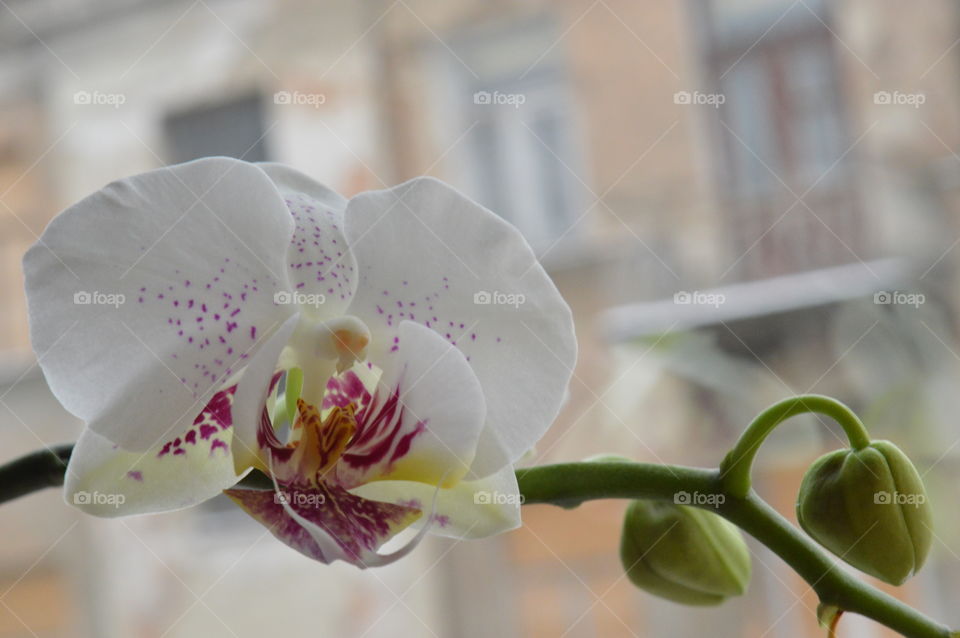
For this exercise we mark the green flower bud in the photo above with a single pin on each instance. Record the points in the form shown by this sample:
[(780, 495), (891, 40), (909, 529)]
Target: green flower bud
[(868, 507), (684, 554)]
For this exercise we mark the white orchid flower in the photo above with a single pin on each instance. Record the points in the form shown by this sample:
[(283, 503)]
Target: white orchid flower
[(216, 316)]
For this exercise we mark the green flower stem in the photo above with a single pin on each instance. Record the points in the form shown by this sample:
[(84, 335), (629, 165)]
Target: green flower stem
[(35, 471), (735, 468), (570, 484)]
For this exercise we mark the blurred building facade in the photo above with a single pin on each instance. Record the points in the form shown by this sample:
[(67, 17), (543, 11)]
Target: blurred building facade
[(650, 152)]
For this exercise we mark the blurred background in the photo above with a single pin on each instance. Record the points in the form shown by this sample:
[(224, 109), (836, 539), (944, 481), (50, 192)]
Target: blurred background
[(741, 199)]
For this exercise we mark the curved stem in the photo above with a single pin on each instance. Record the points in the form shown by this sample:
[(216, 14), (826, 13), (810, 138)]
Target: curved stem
[(555, 484), (569, 484), (35, 471), (735, 468)]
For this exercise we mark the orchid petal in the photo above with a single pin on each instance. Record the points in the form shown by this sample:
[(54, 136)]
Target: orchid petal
[(470, 509), (428, 254), (421, 422), (252, 394), (194, 255), (322, 270), (104, 480)]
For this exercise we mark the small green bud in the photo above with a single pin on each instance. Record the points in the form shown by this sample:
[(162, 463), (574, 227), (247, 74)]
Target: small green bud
[(684, 554), (868, 507)]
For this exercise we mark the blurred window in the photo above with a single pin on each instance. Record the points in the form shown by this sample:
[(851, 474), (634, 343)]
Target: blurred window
[(782, 104), (520, 157), (782, 130), (233, 128)]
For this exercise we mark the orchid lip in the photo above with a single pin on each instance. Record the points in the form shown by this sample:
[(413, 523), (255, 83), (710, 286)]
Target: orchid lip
[(324, 520)]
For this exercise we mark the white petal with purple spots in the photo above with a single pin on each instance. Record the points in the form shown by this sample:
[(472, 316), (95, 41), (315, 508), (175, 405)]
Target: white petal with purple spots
[(194, 255), (428, 254), (322, 270)]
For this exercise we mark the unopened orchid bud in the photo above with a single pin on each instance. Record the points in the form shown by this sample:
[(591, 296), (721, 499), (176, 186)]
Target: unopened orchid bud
[(683, 554), (868, 507)]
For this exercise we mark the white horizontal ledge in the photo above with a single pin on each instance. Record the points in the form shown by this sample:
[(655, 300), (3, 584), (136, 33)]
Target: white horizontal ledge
[(753, 299)]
